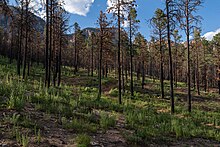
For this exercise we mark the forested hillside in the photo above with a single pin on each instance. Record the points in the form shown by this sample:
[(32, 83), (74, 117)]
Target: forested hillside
[(109, 85)]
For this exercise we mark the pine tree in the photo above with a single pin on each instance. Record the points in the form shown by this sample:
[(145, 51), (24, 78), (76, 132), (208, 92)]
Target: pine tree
[(159, 23), (188, 22)]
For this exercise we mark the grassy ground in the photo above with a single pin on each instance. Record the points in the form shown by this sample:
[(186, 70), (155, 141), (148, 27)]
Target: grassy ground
[(70, 115)]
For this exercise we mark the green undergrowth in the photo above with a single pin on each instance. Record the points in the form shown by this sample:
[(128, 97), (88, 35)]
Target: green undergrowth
[(77, 108)]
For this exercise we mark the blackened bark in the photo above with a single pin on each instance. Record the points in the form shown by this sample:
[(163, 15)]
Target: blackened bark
[(143, 75), (170, 57), (188, 57), (47, 42), (119, 52), (131, 59), (161, 68)]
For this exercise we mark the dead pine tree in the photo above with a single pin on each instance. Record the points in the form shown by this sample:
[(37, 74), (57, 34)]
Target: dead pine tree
[(47, 43), (159, 24), (188, 22), (132, 18), (118, 9), (170, 12)]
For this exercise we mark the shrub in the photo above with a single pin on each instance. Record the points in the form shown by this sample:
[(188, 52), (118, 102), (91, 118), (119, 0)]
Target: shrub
[(83, 140), (113, 92), (107, 121)]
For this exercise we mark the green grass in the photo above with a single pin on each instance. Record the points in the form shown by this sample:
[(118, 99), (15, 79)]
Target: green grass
[(79, 111), (83, 140), (107, 120)]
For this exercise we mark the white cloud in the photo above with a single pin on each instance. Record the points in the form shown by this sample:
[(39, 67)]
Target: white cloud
[(110, 3), (79, 7), (209, 35), (38, 7)]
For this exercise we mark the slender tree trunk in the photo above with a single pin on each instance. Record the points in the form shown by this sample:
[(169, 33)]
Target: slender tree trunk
[(205, 78), (56, 70), (119, 52), (126, 71), (175, 75), (26, 40), (161, 69), (92, 55), (170, 57), (143, 75), (11, 48), (100, 64), (194, 74), (75, 55), (47, 42), (131, 60), (20, 40), (106, 69), (197, 73), (77, 61), (50, 47), (25, 55), (115, 64), (60, 60), (123, 77), (188, 57)]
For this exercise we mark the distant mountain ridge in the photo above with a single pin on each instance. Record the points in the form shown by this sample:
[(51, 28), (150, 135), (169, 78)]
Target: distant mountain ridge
[(86, 32), (39, 23)]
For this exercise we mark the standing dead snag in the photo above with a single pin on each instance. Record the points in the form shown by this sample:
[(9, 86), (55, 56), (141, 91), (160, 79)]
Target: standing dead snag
[(159, 23), (103, 34), (118, 8), (55, 28), (188, 21), (47, 43), (132, 29), (169, 3), (176, 38), (216, 44)]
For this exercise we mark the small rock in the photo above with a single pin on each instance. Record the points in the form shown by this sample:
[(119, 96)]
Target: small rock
[(62, 141), (4, 145)]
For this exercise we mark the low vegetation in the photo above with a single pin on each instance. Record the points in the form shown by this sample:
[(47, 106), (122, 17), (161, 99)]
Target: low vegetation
[(30, 113)]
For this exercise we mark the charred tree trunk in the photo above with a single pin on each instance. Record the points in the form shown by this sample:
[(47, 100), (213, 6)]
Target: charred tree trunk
[(60, 60), (131, 60), (119, 54), (143, 75), (47, 43), (20, 40), (92, 55), (188, 57), (197, 74), (170, 57), (100, 63), (123, 77), (161, 68), (106, 69), (50, 47), (26, 41)]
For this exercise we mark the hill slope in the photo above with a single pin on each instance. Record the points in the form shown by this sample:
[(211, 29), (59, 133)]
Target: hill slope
[(32, 115)]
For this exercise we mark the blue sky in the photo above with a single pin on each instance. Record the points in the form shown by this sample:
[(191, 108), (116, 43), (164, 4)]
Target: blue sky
[(86, 12)]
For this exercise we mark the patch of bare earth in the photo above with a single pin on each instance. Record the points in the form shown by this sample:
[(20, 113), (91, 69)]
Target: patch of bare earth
[(112, 137), (195, 142), (52, 133)]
